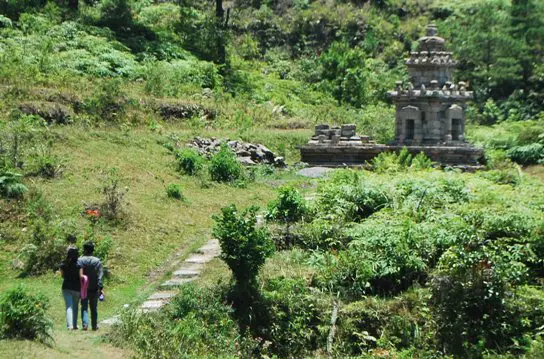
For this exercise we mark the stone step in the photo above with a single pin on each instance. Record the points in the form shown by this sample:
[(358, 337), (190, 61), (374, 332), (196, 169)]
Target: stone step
[(175, 283), (211, 246), (186, 273), (162, 295), (116, 319), (150, 305), (200, 258)]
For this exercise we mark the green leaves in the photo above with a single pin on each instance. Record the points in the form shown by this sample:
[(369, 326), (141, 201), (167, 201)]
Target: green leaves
[(10, 185), (244, 247), (22, 315), (288, 207)]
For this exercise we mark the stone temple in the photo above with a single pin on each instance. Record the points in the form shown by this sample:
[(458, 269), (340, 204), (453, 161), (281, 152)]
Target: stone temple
[(430, 116)]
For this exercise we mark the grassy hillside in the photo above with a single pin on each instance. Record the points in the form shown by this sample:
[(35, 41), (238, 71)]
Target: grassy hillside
[(95, 96)]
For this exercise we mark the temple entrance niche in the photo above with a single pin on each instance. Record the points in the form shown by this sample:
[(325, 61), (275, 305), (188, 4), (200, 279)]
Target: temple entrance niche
[(456, 128), (455, 123), (410, 126)]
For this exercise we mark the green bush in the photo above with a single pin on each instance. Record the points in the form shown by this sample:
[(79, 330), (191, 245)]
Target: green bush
[(225, 167), (381, 259), (189, 160), (528, 154), (113, 207), (289, 207), (470, 292), (174, 191), (109, 103), (23, 315), (321, 234), (394, 162), (103, 248), (374, 322), (45, 249), (295, 318), (197, 323), (244, 248), (10, 185), (350, 198)]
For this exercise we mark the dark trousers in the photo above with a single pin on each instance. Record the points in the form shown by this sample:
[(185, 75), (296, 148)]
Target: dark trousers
[(92, 300)]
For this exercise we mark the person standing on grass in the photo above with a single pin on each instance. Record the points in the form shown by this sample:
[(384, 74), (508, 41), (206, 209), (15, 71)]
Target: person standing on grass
[(92, 268), (71, 273)]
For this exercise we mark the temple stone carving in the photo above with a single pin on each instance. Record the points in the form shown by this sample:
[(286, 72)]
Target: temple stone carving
[(430, 116)]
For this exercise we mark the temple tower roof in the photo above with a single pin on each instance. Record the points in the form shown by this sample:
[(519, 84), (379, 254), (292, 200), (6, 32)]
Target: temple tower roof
[(431, 61)]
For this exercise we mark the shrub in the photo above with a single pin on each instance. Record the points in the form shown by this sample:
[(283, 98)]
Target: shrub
[(321, 234), (244, 248), (511, 176), (189, 160), (114, 206), (394, 162), (44, 251), (196, 323), (45, 164), (103, 248), (174, 191), (23, 315), (384, 322), (109, 101), (350, 198), (10, 185), (469, 295), (17, 137), (289, 207), (528, 154), (295, 318), (225, 167)]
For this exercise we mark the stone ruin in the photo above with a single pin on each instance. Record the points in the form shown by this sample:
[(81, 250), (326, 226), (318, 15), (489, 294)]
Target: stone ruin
[(249, 154), (430, 116)]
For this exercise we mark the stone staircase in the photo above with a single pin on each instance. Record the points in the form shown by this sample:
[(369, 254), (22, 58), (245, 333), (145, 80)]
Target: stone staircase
[(187, 272)]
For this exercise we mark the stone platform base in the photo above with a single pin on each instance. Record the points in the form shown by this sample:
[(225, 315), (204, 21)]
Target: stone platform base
[(350, 155)]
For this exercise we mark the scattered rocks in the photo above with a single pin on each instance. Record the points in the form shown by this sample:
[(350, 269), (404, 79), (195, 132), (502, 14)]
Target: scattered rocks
[(248, 154)]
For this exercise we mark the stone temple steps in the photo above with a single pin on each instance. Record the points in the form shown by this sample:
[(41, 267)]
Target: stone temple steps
[(187, 272)]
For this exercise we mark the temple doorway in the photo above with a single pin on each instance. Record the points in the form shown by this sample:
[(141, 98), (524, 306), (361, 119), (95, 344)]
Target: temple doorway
[(410, 129), (456, 129)]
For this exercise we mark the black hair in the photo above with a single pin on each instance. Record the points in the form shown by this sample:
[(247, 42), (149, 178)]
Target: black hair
[(71, 255), (88, 248)]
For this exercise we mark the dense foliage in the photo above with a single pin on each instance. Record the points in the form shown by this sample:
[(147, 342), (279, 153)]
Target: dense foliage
[(23, 315), (415, 262)]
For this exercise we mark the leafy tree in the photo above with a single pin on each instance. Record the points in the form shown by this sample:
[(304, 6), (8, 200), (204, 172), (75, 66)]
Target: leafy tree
[(487, 51), (244, 248), (345, 73), (287, 208)]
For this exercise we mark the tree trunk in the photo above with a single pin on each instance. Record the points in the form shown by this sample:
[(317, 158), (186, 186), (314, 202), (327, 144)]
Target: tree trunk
[(220, 14)]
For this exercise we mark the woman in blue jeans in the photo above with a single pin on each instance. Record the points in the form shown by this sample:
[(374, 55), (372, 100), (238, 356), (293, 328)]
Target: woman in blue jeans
[(71, 272)]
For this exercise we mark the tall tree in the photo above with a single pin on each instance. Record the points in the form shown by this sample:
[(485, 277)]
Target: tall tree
[(220, 17), (487, 51)]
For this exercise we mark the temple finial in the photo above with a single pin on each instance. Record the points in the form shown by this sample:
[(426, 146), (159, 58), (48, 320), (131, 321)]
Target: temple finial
[(431, 30)]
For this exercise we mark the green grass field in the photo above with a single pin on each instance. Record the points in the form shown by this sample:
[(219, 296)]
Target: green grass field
[(159, 232)]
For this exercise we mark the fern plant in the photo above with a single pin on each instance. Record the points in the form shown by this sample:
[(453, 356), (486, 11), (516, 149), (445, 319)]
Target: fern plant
[(10, 185)]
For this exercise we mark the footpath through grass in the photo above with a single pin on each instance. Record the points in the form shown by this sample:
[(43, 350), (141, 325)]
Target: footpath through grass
[(158, 229)]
